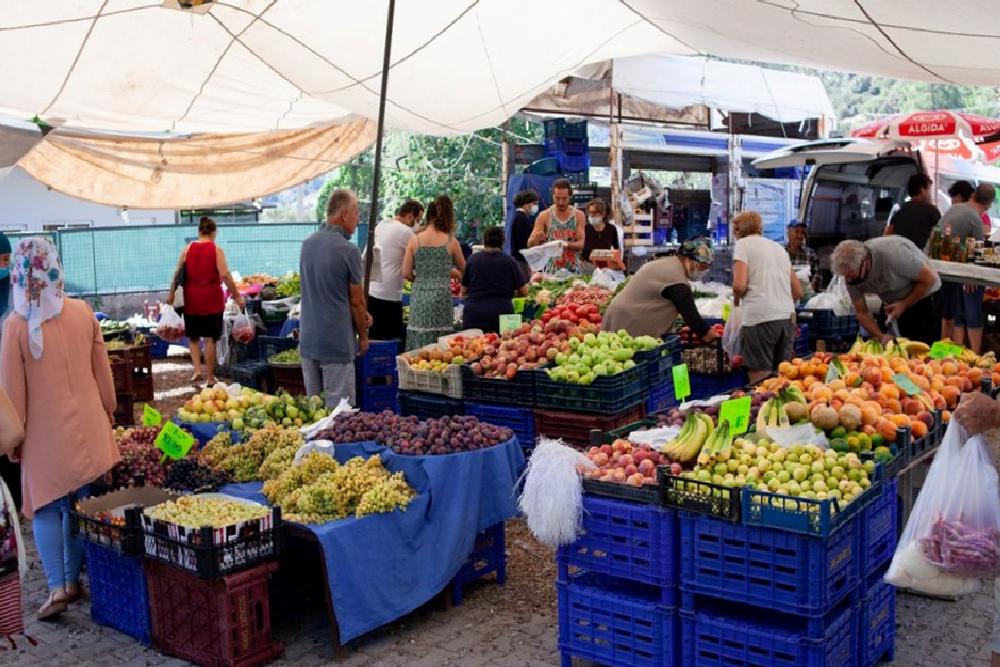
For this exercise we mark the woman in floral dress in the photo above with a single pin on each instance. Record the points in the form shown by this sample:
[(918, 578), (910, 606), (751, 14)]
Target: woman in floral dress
[(430, 260)]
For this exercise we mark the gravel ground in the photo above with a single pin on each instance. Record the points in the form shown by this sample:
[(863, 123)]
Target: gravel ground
[(510, 626)]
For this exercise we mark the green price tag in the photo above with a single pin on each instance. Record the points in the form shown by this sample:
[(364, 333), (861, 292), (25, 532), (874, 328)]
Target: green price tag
[(736, 411), (151, 416), (906, 384), (174, 442), (943, 350), (682, 382), (726, 309), (835, 370), (509, 323)]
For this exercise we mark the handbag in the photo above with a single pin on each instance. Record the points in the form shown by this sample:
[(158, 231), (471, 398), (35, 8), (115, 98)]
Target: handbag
[(179, 279), (12, 567)]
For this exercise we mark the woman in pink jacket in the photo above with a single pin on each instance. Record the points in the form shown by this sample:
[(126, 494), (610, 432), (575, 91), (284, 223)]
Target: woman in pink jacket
[(55, 369)]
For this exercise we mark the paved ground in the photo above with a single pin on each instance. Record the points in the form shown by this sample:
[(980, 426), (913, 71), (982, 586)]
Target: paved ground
[(513, 626)]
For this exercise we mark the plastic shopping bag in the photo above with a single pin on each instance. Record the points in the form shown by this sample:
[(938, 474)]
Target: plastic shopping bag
[(607, 278), (835, 298), (539, 256), (731, 333), (171, 325), (952, 538), (243, 329)]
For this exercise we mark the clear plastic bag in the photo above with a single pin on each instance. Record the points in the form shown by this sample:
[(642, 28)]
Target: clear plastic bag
[(243, 329), (835, 298), (731, 333), (952, 538), (539, 256), (607, 278), (171, 325)]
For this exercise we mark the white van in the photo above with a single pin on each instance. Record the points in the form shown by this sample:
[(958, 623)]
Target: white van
[(854, 185)]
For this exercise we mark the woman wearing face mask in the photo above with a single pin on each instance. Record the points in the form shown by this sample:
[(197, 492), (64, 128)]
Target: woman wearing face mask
[(601, 234), (526, 203), (649, 303)]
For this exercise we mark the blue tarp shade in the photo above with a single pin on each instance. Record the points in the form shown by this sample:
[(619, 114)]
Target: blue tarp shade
[(415, 553)]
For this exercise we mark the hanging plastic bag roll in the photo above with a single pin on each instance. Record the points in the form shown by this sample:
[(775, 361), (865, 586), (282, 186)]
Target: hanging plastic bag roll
[(952, 538)]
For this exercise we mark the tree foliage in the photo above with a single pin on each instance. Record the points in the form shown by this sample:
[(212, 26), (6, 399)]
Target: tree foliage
[(467, 168)]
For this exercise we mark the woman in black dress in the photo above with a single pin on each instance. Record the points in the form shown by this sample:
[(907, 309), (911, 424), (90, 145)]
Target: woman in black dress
[(490, 281)]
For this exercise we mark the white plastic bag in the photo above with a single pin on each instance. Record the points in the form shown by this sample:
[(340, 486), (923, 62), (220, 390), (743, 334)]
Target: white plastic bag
[(835, 298), (540, 255), (607, 278), (731, 333), (171, 325), (799, 434), (952, 538), (243, 329)]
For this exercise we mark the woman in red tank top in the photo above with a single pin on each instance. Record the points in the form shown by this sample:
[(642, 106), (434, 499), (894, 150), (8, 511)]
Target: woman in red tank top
[(205, 269)]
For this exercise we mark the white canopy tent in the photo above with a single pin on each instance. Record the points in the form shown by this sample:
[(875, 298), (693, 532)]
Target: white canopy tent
[(254, 66)]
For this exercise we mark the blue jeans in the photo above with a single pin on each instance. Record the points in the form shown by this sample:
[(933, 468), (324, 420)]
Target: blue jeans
[(60, 552)]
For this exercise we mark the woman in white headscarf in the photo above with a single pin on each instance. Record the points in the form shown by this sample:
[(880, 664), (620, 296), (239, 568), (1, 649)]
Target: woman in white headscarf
[(55, 369)]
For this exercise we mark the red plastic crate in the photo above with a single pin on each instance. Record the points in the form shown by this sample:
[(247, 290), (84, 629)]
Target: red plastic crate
[(224, 622), (574, 428)]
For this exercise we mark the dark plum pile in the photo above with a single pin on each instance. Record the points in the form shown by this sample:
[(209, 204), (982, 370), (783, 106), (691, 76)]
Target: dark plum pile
[(413, 436), (189, 475)]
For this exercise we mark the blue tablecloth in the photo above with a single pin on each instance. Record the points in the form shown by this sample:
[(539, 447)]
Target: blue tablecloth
[(386, 565), (203, 432), (288, 327)]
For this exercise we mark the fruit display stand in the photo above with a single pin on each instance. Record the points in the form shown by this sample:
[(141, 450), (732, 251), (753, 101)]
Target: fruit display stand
[(430, 543), (447, 383)]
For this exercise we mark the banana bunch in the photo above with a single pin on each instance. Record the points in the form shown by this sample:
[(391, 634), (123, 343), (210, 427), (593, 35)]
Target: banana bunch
[(902, 348), (793, 394), (914, 348), (717, 446), (987, 361), (772, 414), (689, 442)]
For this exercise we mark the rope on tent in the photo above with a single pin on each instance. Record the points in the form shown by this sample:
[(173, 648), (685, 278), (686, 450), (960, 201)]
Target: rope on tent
[(76, 59)]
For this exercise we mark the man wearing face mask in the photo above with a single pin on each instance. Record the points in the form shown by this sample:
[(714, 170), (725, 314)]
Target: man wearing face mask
[(649, 303), (601, 234), (526, 203), (899, 273)]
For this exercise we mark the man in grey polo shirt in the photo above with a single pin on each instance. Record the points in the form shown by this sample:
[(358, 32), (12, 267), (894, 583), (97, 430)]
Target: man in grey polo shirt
[(333, 303), (894, 269)]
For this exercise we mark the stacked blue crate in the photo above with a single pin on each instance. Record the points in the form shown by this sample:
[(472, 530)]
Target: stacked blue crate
[(617, 586), (519, 420), (489, 556), (376, 376), (568, 143)]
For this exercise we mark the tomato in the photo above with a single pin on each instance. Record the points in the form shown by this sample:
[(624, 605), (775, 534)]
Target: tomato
[(572, 318)]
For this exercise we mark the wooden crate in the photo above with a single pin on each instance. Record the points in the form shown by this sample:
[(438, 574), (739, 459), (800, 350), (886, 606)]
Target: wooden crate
[(640, 233)]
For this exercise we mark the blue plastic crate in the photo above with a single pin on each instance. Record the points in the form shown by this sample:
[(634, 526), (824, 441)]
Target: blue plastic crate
[(766, 567), (428, 406), (379, 360), (661, 397), (572, 162), (803, 515), (158, 347), (560, 127), (489, 556), (374, 398), (801, 346), (569, 145), (254, 374), (607, 394), (271, 345), (617, 623), (118, 595), (520, 420), (519, 391), (706, 386), (824, 325), (656, 364), (716, 640), (627, 540), (878, 529), (877, 624)]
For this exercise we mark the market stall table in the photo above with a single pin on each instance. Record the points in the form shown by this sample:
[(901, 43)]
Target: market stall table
[(417, 552), (970, 274)]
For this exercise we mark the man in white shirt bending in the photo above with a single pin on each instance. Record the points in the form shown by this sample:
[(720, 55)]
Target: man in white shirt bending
[(385, 297)]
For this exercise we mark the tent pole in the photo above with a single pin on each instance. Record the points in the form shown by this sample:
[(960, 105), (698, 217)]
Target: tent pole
[(377, 170)]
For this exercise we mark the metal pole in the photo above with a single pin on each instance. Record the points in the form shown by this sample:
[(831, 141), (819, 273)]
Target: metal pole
[(377, 170)]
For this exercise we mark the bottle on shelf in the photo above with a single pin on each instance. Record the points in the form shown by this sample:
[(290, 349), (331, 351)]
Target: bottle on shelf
[(934, 251)]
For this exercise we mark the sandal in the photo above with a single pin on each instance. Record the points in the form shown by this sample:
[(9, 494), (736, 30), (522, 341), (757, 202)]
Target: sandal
[(74, 593), (194, 378), (54, 605)]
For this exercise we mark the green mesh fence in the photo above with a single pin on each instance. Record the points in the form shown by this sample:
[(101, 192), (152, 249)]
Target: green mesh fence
[(117, 260)]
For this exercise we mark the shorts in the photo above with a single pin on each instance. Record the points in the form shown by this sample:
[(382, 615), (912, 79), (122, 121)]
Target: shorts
[(767, 344), (965, 308), (203, 326), (330, 379)]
